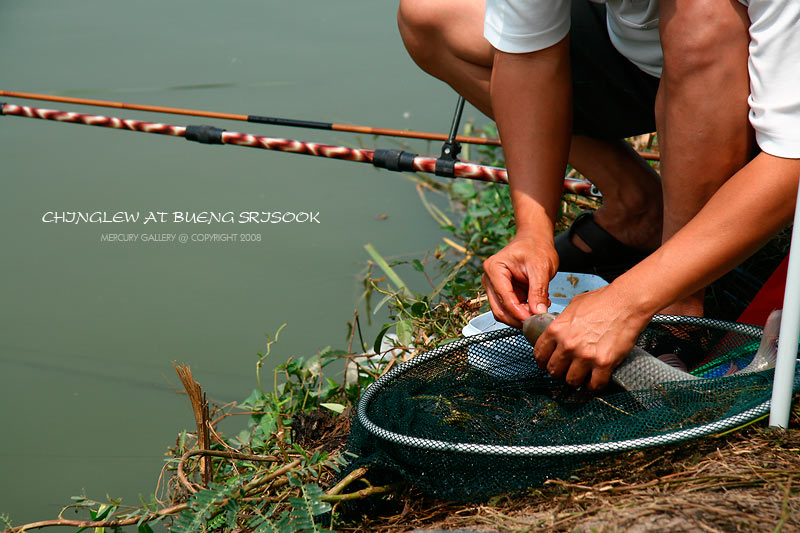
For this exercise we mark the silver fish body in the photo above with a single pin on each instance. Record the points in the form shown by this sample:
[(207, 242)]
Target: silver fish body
[(640, 370)]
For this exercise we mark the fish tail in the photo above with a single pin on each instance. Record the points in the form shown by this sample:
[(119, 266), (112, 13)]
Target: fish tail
[(767, 352)]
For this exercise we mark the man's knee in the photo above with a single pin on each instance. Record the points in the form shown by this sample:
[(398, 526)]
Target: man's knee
[(420, 16), (700, 34), (420, 23)]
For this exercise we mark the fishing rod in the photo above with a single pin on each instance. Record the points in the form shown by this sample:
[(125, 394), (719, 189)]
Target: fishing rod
[(275, 121), (396, 160)]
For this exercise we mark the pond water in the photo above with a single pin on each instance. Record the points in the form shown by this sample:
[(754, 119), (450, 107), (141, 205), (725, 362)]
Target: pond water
[(89, 329)]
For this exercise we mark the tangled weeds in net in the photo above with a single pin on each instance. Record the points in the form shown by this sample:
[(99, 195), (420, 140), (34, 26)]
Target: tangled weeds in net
[(477, 417)]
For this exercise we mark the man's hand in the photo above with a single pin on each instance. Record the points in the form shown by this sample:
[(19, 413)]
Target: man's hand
[(591, 337), (517, 277)]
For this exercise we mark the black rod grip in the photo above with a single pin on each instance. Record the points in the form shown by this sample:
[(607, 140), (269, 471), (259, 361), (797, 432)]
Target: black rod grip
[(396, 160), (445, 167), (204, 134), (406, 161), (290, 122), (1, 108)]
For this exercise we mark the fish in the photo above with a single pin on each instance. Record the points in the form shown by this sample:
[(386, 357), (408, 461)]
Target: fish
[(640, 370)]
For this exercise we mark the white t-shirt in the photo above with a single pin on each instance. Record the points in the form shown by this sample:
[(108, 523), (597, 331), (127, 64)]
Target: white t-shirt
[(519, 26), (774, 66)]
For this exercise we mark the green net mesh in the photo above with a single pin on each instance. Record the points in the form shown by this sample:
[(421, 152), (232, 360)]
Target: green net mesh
[(478, 417)]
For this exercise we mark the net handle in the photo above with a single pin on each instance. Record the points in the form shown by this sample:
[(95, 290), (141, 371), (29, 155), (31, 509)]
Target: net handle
[(789, 333)]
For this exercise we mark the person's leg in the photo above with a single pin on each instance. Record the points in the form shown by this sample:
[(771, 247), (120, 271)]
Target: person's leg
[(701, 109), (445, 38), (631, 209), (613, 99)]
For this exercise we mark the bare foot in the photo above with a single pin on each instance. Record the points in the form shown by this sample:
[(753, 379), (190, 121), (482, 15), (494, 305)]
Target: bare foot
[(640, 230), (632, 210)]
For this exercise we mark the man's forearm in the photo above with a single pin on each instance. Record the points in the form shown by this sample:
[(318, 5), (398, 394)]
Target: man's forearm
[(531, 97), (746, 211)]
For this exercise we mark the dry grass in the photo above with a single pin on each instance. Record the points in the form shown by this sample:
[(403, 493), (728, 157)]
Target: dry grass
[(745, 481)]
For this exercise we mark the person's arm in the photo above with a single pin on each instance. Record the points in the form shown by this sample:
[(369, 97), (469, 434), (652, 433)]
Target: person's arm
[(532, 103), (597, 329)]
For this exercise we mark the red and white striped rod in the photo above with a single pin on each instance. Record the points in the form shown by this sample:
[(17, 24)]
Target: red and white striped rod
[(460, 169)]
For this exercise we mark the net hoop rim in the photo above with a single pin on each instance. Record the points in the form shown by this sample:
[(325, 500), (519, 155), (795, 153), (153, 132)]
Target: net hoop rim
[(564, 449)]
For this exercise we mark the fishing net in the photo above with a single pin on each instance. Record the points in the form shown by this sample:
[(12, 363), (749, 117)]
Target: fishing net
[(477, 417)]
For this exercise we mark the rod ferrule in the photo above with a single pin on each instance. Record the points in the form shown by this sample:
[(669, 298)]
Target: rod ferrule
[(290, 122), (396, 160), (204, 134), (1, 108), (445, 167)]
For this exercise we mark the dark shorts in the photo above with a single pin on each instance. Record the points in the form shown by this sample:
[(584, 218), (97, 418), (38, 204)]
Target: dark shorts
[(612, 97)]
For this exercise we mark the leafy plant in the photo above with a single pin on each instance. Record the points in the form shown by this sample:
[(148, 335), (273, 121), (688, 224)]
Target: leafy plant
[(307, 506), (208, 509)]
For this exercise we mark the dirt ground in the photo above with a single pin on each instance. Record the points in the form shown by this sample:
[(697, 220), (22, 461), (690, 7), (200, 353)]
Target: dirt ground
[(745, 481)]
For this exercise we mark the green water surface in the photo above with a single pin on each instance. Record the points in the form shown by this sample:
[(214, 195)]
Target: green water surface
[(89, 329)]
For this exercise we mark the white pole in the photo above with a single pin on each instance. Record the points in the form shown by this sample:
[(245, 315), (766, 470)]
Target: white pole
[(789, 334)]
